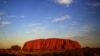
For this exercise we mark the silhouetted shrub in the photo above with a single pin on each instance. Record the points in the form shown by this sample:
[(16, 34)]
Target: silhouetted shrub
[(74, 52), (8, 55), (15, 47), (28, 55), (88, 54)]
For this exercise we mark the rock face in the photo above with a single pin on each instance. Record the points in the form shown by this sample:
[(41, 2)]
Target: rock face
[(51, 43)]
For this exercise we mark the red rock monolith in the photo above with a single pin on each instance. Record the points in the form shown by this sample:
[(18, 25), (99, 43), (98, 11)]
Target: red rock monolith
[(51, 43)]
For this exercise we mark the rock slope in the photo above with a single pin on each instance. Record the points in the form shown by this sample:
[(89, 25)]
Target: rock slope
[(51, 43)]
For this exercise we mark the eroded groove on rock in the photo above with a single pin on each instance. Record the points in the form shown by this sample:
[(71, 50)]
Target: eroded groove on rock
[(51, 43)]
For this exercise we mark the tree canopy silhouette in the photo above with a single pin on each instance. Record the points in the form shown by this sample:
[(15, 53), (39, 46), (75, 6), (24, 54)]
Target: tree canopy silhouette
[(15, 47)]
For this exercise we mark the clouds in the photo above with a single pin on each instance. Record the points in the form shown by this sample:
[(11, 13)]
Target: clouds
[(12, 16), (1, 13), (90, 28), (61, 18), (40, 31), (93, 31), (34, 24), (37, 29), (4, 2), (64, 2), (6, 18), (89, 36), (86, 28), (94, 4), (3, 23), (74, 23), (0, 18)]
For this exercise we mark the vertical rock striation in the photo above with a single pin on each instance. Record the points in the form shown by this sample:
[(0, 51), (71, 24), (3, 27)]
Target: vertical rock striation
[(51, 43)]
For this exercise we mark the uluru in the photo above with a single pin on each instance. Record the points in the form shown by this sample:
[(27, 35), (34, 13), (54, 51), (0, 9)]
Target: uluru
[(51, 44)]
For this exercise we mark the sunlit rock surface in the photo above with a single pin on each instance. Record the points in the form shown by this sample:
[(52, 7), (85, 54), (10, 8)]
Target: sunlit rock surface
[(51, 43)]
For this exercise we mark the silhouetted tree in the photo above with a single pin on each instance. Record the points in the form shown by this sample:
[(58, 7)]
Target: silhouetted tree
[(15, 47), (87, 47)]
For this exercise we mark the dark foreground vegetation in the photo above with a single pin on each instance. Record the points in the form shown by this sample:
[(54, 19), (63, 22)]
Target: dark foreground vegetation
[(74, 52)]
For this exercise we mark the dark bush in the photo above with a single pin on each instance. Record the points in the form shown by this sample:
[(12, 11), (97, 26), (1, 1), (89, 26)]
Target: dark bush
[(15, 47), (8, 55)]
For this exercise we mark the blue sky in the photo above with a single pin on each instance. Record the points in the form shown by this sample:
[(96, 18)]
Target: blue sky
[(23, 20)]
